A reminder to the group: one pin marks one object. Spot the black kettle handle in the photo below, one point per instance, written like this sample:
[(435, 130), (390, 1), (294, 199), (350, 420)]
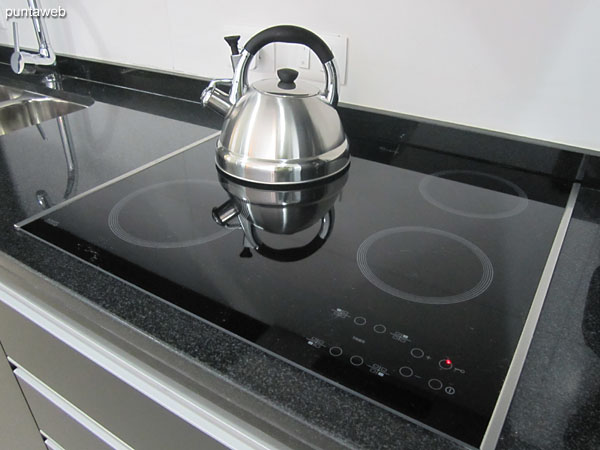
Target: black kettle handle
[(293, 35), (297, 253)]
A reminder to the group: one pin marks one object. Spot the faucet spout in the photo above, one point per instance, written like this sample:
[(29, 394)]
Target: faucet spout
[(40, 31)]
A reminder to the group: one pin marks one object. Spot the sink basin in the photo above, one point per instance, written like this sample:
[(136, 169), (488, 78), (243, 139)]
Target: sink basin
[(9, 93), (20, 108)]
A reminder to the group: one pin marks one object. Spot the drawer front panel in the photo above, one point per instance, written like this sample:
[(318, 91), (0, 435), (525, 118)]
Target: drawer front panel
[(61, 421), (114, 404)]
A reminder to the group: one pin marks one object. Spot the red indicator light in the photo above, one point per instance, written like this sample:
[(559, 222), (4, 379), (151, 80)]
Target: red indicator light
[(445, 363)]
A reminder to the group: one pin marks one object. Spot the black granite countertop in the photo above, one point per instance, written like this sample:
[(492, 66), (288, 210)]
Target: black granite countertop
[(557, 400)]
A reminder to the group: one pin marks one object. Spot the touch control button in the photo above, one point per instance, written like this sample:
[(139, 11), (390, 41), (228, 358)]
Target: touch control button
[(450, 390), (435, 384), (356, 360), (379, 328), (335, 351), (445, 364), (360, 321), (406, 371), (417, 353)]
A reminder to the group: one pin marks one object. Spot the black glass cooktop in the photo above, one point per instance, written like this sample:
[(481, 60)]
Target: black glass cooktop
[(412, 294)]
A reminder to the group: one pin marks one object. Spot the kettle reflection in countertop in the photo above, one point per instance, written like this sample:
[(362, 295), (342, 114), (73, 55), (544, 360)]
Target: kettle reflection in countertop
[(283, 210)]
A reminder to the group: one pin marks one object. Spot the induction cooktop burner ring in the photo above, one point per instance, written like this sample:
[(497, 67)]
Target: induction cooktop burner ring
[(521, 196), (487, 270), (121, 233)]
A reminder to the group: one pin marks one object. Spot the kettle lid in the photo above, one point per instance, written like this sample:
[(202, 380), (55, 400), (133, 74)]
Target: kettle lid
[(286, 85)]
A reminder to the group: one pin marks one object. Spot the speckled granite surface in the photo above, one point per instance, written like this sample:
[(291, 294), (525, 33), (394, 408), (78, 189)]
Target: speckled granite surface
[(557, 401), (556, 405)]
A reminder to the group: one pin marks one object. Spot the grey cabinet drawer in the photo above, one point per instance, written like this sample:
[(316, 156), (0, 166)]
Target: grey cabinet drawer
[(17, 427), (61, 421), (127, 413)]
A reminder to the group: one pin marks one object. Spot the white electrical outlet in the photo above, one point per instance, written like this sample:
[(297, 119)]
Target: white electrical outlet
[(299, 57), (339, 46), (264, 60), (303, 55)]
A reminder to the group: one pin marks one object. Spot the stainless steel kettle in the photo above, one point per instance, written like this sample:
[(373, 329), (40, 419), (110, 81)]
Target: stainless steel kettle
[(279, 131)]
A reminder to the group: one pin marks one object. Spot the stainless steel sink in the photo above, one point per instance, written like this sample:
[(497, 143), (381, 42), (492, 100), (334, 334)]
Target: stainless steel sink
[(20, 108), (9, 93)]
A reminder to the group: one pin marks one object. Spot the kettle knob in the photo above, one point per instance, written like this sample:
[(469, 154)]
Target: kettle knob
[(287, 78)]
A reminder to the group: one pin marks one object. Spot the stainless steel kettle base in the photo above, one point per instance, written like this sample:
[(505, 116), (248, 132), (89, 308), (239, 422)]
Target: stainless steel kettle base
[(284, 172)]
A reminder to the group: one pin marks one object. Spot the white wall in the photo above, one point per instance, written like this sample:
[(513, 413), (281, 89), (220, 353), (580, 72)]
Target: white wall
[(530, 68)]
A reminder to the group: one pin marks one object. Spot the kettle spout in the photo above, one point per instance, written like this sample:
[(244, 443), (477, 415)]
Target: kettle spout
[(215, 98)]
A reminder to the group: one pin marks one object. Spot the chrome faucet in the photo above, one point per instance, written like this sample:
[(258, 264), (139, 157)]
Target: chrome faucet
[(45, 55)]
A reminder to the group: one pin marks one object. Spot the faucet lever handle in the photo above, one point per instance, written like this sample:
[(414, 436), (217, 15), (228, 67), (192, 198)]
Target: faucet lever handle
[(17, 62)]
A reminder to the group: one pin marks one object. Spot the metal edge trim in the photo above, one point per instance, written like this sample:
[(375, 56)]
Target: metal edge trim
[(107, 356), (115, 180), (492, 434), (129, 88), (581, 170)]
